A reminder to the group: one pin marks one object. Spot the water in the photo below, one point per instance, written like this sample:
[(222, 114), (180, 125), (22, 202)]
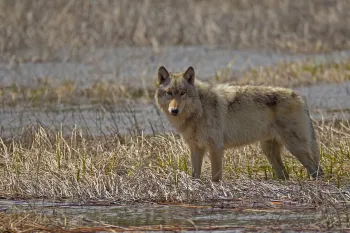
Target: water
[(136, 215), (93, 120), (131, 65)]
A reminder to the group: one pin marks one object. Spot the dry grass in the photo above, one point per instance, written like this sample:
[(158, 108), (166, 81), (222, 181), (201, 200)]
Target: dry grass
[(48, 91), (290, 74), (48, 165), (43, 164), (291, 25), (28, 222)]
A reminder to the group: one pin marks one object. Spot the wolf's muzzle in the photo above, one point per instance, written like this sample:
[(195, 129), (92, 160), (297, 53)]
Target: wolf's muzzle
[(174, 111)]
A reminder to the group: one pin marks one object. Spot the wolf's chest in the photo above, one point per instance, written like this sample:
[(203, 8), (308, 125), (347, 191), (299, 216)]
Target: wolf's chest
[(195, 136)]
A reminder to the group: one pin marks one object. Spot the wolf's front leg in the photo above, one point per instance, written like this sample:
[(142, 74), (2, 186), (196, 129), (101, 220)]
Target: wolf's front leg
[(216, 157), (197, 155)]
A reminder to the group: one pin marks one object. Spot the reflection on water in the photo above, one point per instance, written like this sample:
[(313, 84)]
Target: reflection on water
[(171, 215)]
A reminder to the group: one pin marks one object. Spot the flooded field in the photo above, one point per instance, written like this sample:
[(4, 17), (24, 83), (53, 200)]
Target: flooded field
[(136, 68), (119, 165)]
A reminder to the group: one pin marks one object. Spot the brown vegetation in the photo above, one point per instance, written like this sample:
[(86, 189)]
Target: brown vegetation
[(290, 25)]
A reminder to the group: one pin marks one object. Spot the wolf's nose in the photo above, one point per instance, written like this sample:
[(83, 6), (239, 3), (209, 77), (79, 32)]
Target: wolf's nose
[(174, 111)]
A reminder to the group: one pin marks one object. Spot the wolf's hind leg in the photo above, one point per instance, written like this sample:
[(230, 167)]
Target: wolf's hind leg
[(272, 150), (315, 151), (302, 149)]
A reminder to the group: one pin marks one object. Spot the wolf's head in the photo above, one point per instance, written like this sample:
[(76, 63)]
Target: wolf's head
[(176, 92)]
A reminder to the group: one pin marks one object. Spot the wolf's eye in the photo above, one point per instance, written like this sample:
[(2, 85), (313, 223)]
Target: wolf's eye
[(169, 93), (182, 93)]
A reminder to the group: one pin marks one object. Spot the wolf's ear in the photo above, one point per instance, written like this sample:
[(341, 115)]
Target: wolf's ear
[(189, 75), (163, 75)]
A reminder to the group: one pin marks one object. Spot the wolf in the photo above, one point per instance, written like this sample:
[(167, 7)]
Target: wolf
[(212, 118)]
